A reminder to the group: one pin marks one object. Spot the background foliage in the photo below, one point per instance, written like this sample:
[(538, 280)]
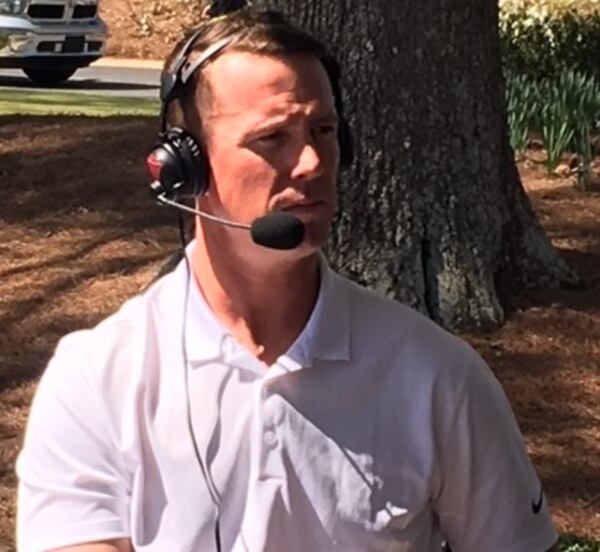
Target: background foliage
[(573, 544), (551, 58), (544, 38)]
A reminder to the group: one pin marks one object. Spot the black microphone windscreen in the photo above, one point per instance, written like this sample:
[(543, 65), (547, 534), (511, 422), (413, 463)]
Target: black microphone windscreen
[(278, 230)]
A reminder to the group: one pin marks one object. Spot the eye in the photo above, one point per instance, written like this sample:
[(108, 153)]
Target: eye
[(271, 138), (324, 130)]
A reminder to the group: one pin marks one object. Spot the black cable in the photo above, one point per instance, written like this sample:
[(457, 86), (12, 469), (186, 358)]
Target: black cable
[(212, 490)]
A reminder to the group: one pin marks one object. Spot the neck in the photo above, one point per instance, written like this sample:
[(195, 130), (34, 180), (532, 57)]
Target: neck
[(263, 298)]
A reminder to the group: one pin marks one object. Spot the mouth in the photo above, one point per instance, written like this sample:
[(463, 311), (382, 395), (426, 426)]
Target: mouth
[(306, 210), (301, 206), (305, 205)]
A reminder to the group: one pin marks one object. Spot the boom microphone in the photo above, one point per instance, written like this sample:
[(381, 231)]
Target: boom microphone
[(278, 230)]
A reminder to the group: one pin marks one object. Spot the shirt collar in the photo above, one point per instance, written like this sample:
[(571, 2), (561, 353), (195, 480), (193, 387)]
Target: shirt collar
[(326, 335)]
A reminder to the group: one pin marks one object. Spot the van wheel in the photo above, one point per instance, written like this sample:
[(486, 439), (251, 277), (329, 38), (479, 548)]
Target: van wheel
[(49, 77)]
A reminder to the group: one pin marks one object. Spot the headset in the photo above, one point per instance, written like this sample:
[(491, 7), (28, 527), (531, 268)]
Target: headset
[(178, 163)]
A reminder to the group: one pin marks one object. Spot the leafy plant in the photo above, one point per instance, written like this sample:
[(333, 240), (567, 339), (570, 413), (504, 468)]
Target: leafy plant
[(584, 113), (554, 121), (521, 102), (581, 96), (564, 111)]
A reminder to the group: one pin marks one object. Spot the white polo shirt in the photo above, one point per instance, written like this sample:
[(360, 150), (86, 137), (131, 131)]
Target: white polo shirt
[(376, 431)]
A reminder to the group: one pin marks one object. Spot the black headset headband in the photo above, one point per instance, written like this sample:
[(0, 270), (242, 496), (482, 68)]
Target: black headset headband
[(182, 69)]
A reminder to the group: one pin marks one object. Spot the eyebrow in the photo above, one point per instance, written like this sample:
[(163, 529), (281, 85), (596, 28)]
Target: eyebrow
[(278, 121), (331, 118)]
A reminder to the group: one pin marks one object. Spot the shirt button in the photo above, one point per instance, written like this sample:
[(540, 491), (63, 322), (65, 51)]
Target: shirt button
[(270, 438)]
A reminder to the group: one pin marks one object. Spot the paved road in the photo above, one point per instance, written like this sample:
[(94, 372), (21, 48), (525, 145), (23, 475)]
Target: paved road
[(113, 77)]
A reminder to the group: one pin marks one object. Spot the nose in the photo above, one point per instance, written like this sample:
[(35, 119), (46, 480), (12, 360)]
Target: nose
[(308, 164)]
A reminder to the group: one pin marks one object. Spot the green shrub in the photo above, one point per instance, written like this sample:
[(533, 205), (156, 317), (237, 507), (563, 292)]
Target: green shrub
[(542, 41)]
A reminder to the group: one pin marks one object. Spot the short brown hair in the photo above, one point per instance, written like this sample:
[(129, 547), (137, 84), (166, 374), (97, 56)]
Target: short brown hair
[(250, 30)]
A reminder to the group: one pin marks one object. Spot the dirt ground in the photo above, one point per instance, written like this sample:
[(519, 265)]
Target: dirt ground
[(146, 29), (79, 234)]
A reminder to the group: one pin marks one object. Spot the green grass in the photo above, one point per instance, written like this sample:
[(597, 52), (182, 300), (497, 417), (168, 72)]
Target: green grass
[(28, 102), (573, 544)]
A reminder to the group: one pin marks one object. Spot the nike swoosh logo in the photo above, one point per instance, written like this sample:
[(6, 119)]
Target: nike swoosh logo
[(536, 506)]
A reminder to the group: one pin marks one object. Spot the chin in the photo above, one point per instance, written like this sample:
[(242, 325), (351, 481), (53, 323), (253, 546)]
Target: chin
[(305, 249), (316, 233), (310, 246)]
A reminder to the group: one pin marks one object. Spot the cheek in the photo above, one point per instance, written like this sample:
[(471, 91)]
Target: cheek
[(242, 181), (332, 154)]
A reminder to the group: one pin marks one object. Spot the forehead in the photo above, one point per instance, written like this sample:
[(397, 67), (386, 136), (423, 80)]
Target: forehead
[(243, 81)]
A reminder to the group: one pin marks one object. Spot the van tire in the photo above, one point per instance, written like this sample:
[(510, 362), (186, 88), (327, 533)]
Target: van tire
[(50, 77)]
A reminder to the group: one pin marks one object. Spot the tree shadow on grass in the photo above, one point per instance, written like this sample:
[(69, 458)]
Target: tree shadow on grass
[(30, 347), (78, 212), (56, 166)]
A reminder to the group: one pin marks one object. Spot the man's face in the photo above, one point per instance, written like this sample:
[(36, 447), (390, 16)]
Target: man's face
[(271, 137)]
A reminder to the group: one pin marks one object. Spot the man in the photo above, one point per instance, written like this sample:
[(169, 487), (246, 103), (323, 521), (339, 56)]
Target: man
[(260, 402)]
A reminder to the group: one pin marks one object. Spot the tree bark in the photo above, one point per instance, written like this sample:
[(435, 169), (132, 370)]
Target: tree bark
[(433, 212)]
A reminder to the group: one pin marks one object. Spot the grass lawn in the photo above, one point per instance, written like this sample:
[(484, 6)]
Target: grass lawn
[(32, 102)]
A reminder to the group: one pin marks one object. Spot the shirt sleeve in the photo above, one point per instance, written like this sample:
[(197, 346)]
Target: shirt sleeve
[(490, 497), (73, 487)]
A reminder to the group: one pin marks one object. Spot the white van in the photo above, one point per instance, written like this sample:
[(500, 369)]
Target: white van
[(50, 39)]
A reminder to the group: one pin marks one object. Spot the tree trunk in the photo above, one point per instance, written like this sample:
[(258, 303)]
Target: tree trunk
[(433, 212)]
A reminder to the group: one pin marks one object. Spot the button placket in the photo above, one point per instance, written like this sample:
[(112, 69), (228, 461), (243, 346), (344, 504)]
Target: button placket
[(270, 461), (269, 429), (270, 438)]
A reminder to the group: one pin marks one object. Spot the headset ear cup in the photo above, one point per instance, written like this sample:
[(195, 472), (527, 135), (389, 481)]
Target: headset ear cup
[(196, 164), (346, 143), (178, 166)]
